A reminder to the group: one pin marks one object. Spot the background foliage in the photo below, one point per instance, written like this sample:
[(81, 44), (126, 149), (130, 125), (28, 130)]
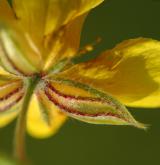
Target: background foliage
[(79, 143)]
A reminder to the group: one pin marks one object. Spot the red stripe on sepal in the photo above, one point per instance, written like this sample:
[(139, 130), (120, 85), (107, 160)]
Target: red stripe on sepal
[(74, 111), (10, 94), (10, 105)]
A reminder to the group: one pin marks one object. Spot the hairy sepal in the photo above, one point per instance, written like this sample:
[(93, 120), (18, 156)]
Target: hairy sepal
[(87, 104)]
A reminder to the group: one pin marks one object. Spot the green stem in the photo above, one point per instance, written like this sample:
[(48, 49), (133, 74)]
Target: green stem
[(19, 139)]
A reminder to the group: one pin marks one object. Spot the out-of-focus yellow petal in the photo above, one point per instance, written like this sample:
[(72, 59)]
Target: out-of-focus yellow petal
[(54, 25), (61, 12), (18, 54), (65, 43), (43, 119), (130, 72), (5, 10), (3, 72), (45, 16), (31, 16), (7, 118)]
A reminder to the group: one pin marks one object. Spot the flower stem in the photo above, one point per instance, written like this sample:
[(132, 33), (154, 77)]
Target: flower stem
[(19, 139)]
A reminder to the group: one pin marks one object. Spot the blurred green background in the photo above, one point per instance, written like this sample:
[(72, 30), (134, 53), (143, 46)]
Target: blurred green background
[(84, 144)]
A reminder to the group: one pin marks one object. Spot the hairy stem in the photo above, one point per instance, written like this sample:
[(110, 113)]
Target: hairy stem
[(19, 139)]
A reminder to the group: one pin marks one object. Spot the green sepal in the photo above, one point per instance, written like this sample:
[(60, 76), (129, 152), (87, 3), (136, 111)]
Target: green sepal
[(102, 108)]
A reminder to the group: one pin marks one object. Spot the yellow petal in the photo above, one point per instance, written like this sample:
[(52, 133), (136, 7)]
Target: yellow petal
[(7, 118), (65, 43), (3, 72), (18, 54), (5, 10), (31, 17), (45, 16), (61, 12), (54, 25), (130, 72), (42, 123)]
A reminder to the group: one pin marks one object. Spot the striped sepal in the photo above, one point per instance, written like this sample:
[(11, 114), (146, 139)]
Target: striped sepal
[(88, 104), (11, 93)]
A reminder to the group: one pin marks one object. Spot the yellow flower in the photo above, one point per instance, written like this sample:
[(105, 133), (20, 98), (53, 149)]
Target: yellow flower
[(34, 37), (38, 42)]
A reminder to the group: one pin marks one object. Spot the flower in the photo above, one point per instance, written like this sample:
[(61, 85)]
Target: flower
[(38, 43)]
